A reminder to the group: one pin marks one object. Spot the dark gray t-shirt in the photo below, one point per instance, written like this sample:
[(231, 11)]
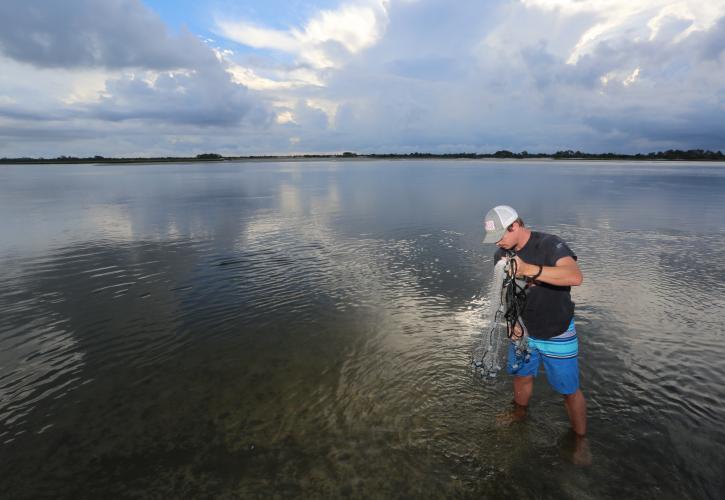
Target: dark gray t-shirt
[(549, 308)]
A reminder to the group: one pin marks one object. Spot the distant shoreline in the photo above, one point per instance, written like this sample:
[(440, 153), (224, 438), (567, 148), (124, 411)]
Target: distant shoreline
[(669, 155)]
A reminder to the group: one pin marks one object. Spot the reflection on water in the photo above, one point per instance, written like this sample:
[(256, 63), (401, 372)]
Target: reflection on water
[(305, 330)]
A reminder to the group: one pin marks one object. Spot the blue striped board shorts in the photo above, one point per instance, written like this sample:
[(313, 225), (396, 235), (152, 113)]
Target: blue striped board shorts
[(559, 355)]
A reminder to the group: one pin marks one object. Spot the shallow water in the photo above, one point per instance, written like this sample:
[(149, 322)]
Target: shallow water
[(305, 329)]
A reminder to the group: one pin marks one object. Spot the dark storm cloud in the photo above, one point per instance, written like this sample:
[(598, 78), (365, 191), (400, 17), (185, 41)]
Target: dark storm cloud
[(174, 79), (547, 69), (46, 132), (700, 127), (93, 33), (198, 98), (678, 70), (15, 112), (470, 75)]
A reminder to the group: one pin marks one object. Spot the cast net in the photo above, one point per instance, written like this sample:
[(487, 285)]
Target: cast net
[(508, 297), (488, 355)]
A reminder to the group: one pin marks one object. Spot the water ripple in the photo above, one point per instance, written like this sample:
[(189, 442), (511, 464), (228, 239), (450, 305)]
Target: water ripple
[(306, 332)]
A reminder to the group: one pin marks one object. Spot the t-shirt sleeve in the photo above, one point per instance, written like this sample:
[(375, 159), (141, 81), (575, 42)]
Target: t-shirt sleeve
[(558, 249)]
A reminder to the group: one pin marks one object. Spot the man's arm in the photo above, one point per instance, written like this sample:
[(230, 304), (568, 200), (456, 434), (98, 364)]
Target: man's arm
[(564, 273)]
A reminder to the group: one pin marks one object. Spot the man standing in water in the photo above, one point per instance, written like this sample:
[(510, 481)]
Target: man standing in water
[(550, 269)]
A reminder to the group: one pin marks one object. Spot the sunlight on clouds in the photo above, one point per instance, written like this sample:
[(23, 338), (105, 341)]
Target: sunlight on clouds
[(676, 11), (221, 54), (89, 86), (626, 78), (624, 18), (247, 76), (379, 76), (286, 79), (326, 106), (596, 33), (285, 117), (353, 27), (278, 79), (304, 76), (30, 87), (150, 78), (631, 78), (257, 37), (285, 104)]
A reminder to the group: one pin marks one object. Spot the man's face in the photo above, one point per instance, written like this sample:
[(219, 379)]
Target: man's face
[(510, 237)]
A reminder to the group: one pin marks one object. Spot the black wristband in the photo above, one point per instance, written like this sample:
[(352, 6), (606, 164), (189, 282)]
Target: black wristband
[(541, 268)]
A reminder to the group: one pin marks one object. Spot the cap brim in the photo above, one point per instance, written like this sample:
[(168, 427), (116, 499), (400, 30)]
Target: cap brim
[(494, 236)]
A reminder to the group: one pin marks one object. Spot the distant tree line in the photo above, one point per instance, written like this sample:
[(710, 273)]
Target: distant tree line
[(670, 154), (102, 159)]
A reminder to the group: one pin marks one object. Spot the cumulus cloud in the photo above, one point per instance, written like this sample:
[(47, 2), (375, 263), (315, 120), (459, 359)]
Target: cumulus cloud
[(88, 64), (191, 97), (89, 33), (538, 76), (325, 40), (375, 76), (713, 44), (671, 21)]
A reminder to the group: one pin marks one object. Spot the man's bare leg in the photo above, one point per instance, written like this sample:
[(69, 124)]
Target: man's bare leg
[(523, 388), (576, 408)]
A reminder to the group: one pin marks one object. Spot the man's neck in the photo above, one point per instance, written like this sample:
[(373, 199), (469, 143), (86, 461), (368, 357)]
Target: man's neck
[(524, 239)]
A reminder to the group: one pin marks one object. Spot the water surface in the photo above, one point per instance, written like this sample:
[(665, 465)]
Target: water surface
[(305, 330)]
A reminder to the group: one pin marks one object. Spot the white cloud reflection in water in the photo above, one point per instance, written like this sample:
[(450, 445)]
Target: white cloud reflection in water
[(325, 314)]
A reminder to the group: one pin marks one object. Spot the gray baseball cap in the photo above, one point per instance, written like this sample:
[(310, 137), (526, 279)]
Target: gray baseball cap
[(496, 221)]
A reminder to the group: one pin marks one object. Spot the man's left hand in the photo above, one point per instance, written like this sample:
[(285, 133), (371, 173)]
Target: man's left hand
[(524, 269)]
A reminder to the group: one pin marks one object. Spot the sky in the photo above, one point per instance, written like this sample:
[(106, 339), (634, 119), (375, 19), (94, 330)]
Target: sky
[(179, 78)]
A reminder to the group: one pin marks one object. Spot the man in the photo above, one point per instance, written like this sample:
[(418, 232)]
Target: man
[(550, 269)]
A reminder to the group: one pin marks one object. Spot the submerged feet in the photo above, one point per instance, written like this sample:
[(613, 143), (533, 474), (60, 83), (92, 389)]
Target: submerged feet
[(516, 413), (575, 448), (582, 453)]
